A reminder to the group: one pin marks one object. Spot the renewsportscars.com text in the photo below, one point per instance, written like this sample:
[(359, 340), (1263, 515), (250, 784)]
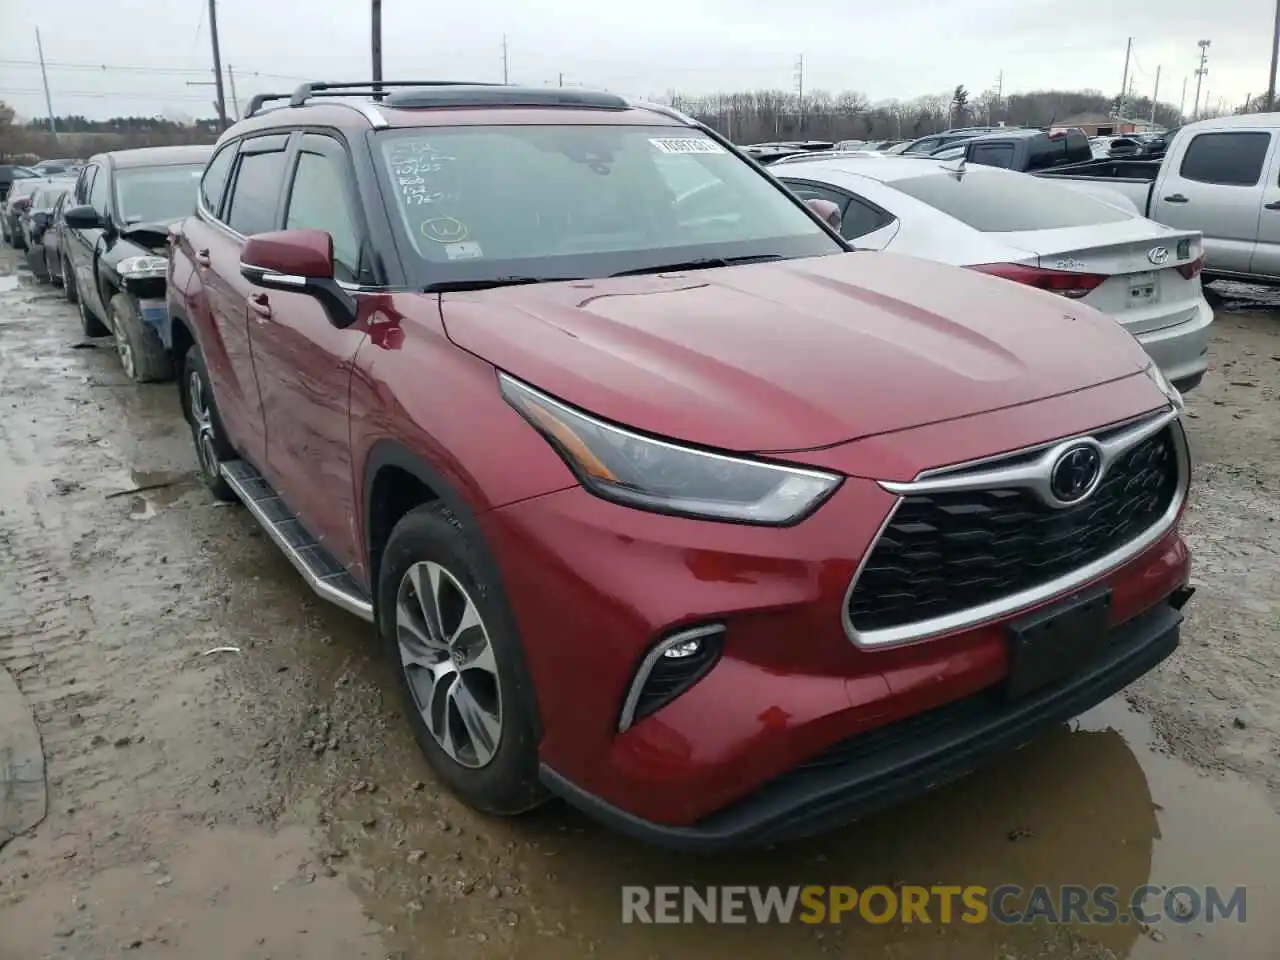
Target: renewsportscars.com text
[(1007, 904)]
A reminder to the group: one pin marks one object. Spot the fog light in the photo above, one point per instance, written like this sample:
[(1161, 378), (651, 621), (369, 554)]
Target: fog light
[(685, 648)]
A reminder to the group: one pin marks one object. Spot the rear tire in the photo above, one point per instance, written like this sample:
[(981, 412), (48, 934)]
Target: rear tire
[(142, 354), (489, 759), (201, 413)]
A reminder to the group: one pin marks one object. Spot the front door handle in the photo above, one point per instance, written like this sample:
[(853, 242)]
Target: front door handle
[(260, 306), (202, 258), (1176, 198), (1273, 205)]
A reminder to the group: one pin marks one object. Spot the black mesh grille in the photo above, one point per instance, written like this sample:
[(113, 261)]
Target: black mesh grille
[(947, 552)]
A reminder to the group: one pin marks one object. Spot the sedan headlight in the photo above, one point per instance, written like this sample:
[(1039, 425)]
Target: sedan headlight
[(1168, 389), (661, 476), (143, 268)]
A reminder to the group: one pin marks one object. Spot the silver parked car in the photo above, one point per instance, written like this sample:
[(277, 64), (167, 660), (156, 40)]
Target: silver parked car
[(1032, 231)]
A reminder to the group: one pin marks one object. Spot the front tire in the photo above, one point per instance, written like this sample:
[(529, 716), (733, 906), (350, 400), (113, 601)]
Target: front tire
[(142, 354), (201, 412), (459, 662)]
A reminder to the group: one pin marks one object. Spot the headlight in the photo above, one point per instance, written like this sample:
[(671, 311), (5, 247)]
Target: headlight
[(143, 268), (656, 475), (1168, 389)]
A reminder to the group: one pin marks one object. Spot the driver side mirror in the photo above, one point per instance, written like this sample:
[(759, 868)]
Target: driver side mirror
[(82, 217), (826, 210), (299, 261)]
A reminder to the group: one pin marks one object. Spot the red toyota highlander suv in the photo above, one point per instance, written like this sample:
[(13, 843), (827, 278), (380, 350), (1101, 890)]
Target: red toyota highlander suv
[(661, 498)]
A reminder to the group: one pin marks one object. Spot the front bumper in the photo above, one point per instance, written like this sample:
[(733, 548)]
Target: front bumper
[(912, 756)]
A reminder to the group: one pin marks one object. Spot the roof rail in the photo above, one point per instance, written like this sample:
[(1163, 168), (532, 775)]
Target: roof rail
[(373, 89)]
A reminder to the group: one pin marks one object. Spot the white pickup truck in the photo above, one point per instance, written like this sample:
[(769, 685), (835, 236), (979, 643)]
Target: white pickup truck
[(1221, 177)]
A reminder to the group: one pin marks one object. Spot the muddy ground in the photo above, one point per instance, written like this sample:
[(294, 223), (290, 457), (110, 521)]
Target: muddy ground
[(269, 803)]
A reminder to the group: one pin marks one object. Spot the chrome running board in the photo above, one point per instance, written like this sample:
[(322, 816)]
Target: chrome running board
[(323, 573)]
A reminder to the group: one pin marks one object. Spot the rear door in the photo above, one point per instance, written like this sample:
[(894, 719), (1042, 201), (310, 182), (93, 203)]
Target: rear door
[(1214, 183), (252, 205)]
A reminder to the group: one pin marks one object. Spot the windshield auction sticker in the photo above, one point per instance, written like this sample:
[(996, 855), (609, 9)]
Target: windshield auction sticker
[(686, 145)]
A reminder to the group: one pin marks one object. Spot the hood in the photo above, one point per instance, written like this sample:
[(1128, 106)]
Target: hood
[(152, 236), (796, 354)]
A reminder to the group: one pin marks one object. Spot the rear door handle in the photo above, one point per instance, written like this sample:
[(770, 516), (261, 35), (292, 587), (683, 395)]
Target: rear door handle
[(259, 304), (1176, 198), (202, 258), (1273, 205)]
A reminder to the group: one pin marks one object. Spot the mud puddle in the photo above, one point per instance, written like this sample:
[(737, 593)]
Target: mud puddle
[(1096, 804)]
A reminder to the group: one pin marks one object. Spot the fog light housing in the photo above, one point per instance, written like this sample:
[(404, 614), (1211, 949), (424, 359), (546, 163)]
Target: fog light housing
[(670, 668)]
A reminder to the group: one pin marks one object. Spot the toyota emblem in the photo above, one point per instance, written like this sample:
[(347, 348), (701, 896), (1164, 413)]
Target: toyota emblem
[(1075, 473), (1158, 255)]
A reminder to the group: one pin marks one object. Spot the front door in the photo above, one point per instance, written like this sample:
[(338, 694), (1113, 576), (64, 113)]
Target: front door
[(304, 362), (1217, 188), (91, 189)]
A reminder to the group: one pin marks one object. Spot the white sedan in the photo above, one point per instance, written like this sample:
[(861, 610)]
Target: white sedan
[(1031, 231)]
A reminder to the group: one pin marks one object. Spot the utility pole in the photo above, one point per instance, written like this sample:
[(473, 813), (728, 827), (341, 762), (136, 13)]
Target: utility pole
[(48, 101), (1124, 81), (504, 59), (375, 45), (1182, 103), (1275, 50), (562, 78), (800, 89), (217, 64), (1200, 73), (1156, 93), (235, 100)]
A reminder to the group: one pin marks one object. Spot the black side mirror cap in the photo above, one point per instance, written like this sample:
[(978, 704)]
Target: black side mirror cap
[(82, 217)]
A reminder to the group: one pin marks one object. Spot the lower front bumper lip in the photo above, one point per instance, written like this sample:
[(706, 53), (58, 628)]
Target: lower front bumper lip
[(803, 803)]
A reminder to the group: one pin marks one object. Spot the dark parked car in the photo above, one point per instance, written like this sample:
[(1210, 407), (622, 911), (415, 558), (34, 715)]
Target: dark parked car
[(10, 172), (115, 246), (1023, 150), (16, 205), (660, 498), (38, 222)]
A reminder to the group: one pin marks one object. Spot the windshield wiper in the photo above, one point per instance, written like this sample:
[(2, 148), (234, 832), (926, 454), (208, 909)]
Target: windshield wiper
[(705, 263), (457, 286)]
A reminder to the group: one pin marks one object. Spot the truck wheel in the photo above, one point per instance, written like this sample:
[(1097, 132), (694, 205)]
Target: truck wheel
[(142, 354), (459, 662), (201, 412)]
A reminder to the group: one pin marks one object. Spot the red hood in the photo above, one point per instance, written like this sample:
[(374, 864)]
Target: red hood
[(796, 354)]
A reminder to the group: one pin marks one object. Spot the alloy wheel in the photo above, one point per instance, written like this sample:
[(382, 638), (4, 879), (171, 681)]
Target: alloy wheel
[(202, 425), (449, 664)]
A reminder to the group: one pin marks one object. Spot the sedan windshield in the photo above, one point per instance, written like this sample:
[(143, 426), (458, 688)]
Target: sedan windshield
[(555, 202), (156, 194)]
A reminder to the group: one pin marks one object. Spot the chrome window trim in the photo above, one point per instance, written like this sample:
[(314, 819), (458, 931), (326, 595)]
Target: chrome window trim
[(628, 715), (1116, 442)]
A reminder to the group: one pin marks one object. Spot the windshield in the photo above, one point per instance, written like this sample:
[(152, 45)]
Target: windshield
[(1006, 203), (47, 199), (488, 202), (156, 194)]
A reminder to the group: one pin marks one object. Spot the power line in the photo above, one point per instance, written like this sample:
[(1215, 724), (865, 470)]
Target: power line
[(120, 68), (107, 95)]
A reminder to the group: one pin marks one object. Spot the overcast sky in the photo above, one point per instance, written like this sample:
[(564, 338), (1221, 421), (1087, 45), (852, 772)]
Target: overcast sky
[(148, 50)]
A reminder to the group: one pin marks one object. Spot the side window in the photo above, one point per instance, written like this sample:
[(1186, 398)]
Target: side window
[(255, 197), (85, 184), (861, 218), (811, 191), (214, 182), (318, 201), (1041, 154), (1232, 159), (992, 154), (926, 146), (99, 190)]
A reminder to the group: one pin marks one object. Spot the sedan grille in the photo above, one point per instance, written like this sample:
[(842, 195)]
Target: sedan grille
[(945, 552)]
